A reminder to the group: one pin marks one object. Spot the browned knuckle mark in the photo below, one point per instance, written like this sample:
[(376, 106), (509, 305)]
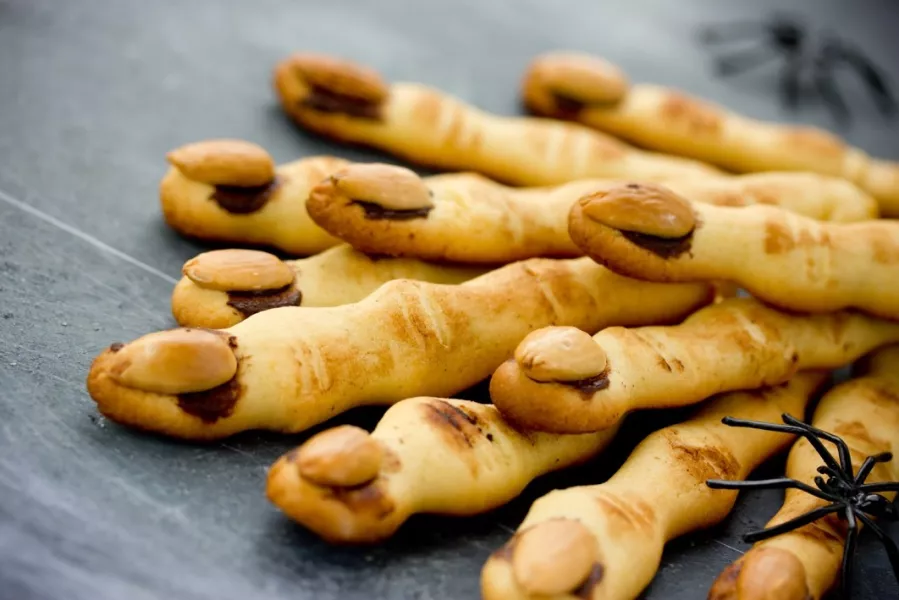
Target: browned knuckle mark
[(627, 514), (696, 117), (703, 462), (814, 141), (884, 247), (459, 429), (725, 587), (778, 238)]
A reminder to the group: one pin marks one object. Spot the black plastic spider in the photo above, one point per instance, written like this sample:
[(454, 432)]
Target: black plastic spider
[(849, 496), (784, 36)]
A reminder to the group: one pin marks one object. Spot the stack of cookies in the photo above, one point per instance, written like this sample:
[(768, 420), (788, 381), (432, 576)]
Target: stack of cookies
[(724, 263)]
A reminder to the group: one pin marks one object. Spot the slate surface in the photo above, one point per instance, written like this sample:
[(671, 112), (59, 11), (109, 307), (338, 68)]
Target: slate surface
[(92, 94)]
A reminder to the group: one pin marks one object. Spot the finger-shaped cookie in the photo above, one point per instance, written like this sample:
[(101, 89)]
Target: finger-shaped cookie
[(221, 288), (349, 486), (606, 541), (736, 344), (467, 218), (804, 564), (352, 103), (289, 368), (591, 91), (231, 190), (790, 261)]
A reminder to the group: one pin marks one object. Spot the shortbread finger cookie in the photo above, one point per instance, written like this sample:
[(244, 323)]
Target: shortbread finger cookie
[(467, 218), (426, 455), (793, 262), (736, 344), (606, 541), (221, 288), (804, 564), (289, 368), (352, 103), (231, 190), (589, 90)]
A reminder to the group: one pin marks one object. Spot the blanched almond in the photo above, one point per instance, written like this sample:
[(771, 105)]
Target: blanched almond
[(238, 271), (224, 162), (344, 456), (340, 77), (554, 557), (646, 208), (560, 354), (388, 186), (177, 361), (581, 77)]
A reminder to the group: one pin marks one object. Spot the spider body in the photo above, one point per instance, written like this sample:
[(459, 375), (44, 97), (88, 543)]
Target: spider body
[(845, 491), (810, 64)]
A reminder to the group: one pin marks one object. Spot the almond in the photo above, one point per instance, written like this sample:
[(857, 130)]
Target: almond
[(553, 557), (238, 271), (390, 187), (560, 354), (224, 162), (340, 77), (177, 361), (344, 456), (582, 78), (646, 208)]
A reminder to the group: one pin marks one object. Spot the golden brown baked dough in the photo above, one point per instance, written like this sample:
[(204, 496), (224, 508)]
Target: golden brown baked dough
[(470, 219), (434, 455), (785, 259), (221, 288), (590, 91), (298, 366), (230, 190), (736, 344), (803, 564), (657, 495), (351, 103)]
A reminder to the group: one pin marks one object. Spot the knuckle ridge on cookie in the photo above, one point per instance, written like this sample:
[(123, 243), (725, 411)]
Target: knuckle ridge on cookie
[(737, 343), (300, 366), (484, 463), (658, 494), (667, 120), (405, 120), (788, 260), (805, 562)]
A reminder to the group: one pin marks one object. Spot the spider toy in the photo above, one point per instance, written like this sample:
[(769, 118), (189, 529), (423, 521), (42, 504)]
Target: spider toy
[(784, 36), (848, 495)]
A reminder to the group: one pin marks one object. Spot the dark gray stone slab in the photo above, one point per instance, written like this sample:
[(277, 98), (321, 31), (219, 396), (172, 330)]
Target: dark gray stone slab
[(92, 94)]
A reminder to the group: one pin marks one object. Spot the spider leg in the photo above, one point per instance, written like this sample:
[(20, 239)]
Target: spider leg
[(781, 483), (842, 448), (800, 521), (869, 73), (889, 545), (849, 551), (738, 62), (827, 88), (869, 463), (790, 83), (728, 32), (888, 486)]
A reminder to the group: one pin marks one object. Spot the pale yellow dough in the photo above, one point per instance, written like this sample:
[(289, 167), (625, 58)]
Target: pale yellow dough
[(351, 103), (657, 495), (805, 563), (669, 120), (297, 366), (738, 343), (339, 275), (445, 456)]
